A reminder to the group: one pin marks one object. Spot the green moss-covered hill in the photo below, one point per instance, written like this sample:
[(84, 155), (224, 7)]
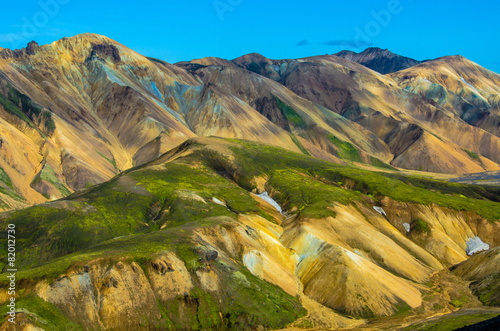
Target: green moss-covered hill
[(167, 205)]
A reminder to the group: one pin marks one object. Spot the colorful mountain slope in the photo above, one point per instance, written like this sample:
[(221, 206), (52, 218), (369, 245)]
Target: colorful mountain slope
[(186, 235)]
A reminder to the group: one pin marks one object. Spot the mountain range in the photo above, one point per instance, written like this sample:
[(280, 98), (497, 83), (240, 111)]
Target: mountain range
[(251, 193), (85, 108)]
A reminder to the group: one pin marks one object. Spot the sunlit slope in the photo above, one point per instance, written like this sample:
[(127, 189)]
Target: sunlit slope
[(460, 86), (401, 118), (87, 107), (185, 233)]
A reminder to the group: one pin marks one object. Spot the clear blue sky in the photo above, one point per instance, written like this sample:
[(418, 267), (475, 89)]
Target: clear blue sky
[(183, 30)]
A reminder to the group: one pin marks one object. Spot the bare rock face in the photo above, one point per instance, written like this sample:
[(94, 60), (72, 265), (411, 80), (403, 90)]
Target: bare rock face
[(116, 296), (32, 48), (169, 277), (104, 51)]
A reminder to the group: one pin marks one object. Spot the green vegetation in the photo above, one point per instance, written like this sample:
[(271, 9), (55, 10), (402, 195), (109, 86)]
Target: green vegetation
[(9, 190), (151, 199), (488, 290), (299, 145), (253, 159), (50, 231), (420, 226), (254, 67), (346, 150), (291, 115), (311, 197), (271, 306), (21, 106), (47, 174), (186, 190), (13, 109), (459, 300), (152, 209), (112, 161), (379, 164), (451, 322), (27, 105), (42, 313), (247, 300), (472, 155), (4, 178), (305, 324), (143, 200), (49, 123)]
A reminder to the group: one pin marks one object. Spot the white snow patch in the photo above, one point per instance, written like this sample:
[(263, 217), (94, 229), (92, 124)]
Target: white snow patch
[(475, 245), (254, 263), (469, 85), (426, 80), (312, 245), (217, 201), (406, 226), (354, 257), (380, 210), (264, 196), (360, 253)]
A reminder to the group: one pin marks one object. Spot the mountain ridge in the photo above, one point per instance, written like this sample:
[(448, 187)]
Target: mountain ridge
[(380, 60), (88, 107)]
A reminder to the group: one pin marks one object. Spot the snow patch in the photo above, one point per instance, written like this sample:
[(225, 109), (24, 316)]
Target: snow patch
[(380, 210), (475, 245), (311, 246), (360, 253), (254, 263), (406, 226), (354, 257), (264, 196), (217, 201), (469, 85), (426, 80)]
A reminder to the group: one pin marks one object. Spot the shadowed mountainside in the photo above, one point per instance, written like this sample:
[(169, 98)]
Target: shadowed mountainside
[(379, 60)]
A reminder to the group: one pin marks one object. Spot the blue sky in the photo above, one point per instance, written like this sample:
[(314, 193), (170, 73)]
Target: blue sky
[(183, 30)]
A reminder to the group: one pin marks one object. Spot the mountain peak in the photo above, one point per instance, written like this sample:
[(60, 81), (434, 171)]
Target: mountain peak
[(92, 38), (380, 60), (375, 49), (251, 57), (31, 48)]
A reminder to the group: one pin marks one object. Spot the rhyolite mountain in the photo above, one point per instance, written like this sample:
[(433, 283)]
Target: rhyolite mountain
[(84, 108), (380, 60), (223, 233), (244, 194)]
